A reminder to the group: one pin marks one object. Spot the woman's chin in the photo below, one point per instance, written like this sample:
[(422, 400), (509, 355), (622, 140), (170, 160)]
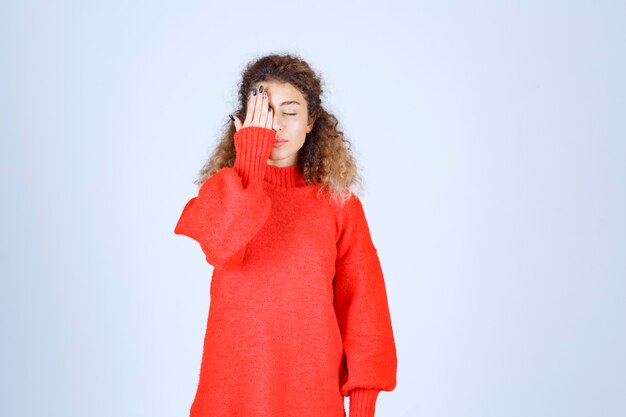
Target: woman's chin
[(282, 158), (278, 154)]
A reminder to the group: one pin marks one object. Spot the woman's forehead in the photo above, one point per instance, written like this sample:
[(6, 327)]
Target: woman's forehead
[(283, 89), (282, 93)]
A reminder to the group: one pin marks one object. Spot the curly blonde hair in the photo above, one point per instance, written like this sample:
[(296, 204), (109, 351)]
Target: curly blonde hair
[(326, 158)]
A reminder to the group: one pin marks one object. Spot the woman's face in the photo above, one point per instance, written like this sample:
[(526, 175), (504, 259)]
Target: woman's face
[(290, 121)]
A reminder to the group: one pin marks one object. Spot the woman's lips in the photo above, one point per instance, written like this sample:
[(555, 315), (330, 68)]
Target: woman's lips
[(279, 142)]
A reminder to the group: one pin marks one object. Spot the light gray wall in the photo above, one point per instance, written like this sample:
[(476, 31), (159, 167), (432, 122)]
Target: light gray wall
[(491, 136)]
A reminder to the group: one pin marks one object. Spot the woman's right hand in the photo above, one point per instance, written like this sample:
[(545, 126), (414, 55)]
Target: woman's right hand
[(258, 112)]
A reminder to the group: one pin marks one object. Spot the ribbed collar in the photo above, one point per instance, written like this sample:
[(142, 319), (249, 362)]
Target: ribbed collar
[(286, 177)]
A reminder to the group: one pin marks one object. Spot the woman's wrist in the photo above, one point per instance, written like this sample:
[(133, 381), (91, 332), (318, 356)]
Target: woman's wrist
[(363, 402), (253, 146)]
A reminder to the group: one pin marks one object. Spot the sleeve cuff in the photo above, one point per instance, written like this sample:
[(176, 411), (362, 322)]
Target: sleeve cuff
[(253, 146), (363, 402)]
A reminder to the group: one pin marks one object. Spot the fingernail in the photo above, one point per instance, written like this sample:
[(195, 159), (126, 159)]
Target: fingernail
[(254, 91), (260, 89), (231, 117)]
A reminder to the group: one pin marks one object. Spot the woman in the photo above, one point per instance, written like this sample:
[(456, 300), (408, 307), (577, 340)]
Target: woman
[(299, 316)]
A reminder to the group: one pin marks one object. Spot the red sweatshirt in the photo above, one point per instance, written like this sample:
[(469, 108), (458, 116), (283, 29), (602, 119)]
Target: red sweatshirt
[(298, 315)]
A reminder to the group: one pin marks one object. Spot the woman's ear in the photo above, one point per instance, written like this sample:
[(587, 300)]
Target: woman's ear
[(312, 119)]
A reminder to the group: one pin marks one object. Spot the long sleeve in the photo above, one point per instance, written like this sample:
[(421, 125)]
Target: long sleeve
[(362, 311), (231, 206)]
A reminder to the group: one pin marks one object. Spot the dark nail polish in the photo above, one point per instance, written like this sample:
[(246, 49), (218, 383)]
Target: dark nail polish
[(254, 91), (260, 89), (231, 117)]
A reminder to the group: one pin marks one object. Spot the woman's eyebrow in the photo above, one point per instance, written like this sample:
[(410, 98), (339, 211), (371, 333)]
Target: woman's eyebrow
[(284, 103)]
